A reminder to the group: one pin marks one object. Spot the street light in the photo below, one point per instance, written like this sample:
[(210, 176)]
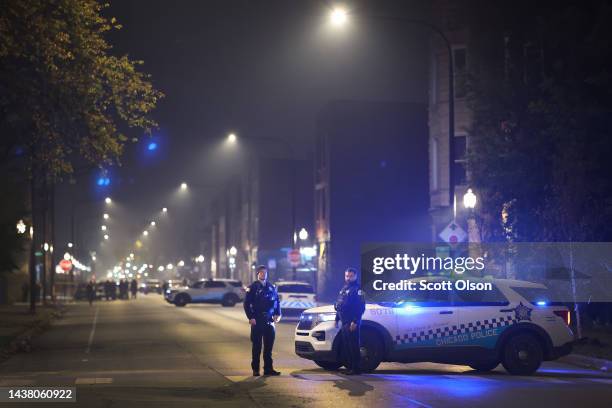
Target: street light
[(303, 234), (108, 200), (469, 202), (231, 138), (106, 237), (469, 199), (145, 233), (200, 259), (338, 16), (152, 223), (21, 227), (183, 186), (106, 216), (70, 245), (103, 227), (164, 209), (233, 251)]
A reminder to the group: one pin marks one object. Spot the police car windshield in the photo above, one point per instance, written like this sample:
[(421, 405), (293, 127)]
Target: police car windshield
[(295, 288)]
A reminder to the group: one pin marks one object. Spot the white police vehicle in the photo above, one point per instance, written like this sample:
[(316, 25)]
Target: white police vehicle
[(512, 324), (228, 292), (295, 297)]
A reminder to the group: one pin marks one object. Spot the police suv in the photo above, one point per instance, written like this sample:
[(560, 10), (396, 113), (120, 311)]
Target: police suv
[(295, 297), (512, 324), (228, 292)]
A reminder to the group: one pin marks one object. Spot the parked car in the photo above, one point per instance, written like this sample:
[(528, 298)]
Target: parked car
[(295, 297), (513, 324), (151, 286), (227, 292)]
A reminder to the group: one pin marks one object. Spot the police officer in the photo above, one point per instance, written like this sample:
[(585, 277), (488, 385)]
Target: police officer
[(262, 308), (349, 309)]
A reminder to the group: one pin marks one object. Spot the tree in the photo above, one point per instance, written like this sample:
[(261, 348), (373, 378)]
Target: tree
[(63, 95), (540, 143)]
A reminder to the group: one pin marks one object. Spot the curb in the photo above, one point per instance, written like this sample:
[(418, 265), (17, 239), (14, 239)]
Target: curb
[(588, 362)]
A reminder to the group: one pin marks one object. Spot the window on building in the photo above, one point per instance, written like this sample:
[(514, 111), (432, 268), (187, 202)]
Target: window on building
[(460, 160), (460, 68)]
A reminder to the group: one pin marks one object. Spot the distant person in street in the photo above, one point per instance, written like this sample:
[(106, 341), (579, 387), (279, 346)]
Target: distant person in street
[(134, 288), (349, 309), (262, 308), (107, 289), (90, 291)]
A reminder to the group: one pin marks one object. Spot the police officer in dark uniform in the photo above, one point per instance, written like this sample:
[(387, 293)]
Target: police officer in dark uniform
[(349, 309), (262, 308)]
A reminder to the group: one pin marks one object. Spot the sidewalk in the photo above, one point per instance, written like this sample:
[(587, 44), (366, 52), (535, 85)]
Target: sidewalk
[(18, 326)]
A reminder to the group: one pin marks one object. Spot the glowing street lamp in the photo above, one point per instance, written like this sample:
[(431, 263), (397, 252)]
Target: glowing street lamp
[(231, 138), (183, 186), (21, 227), (152, 223), (181, 263), (70, 245), (164, 210), (145, 233), (106, 237), (233, 251), (469, 199), (45, 246), (106, 216), (338, 16), (103, 227), (303, 234), (108, 200)]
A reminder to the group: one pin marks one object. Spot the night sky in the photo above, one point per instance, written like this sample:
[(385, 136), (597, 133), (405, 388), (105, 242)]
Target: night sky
[(257, 68)]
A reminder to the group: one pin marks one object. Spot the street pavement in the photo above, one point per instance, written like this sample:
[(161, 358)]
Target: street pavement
[(147, 353)]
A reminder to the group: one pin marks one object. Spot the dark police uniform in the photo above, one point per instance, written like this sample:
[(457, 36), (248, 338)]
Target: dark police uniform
[(261, 303), (349, 309)]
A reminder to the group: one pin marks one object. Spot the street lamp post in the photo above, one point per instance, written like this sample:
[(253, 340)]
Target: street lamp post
[(339, 17)]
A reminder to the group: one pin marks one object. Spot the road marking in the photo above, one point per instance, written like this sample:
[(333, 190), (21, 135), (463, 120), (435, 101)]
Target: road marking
[(319, 377), (91, 381), (238, 378), (93, 331)]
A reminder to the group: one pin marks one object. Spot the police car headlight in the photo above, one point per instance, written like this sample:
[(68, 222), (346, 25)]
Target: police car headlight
[(324, 317)]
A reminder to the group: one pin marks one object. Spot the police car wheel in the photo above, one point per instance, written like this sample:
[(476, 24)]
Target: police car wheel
[(484, 365), (229, 300), (181, 300), (328, 365), (371, 350), (522, 355)]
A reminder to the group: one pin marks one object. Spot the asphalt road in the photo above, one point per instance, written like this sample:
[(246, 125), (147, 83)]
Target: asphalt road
[(148, 353)]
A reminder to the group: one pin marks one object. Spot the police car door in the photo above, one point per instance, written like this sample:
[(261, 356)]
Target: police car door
[(482, 315), (429, 321)]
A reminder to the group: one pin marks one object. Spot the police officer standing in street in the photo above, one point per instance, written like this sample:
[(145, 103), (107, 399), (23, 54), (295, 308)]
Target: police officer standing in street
[(262, 308), (349, 309)]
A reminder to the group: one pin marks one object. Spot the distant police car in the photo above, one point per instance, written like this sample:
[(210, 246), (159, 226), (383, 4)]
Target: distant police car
[(512, 324), (228, 292), (295, 297)]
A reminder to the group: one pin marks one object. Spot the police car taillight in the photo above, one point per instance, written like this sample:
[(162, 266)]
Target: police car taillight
[(565, 315)]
